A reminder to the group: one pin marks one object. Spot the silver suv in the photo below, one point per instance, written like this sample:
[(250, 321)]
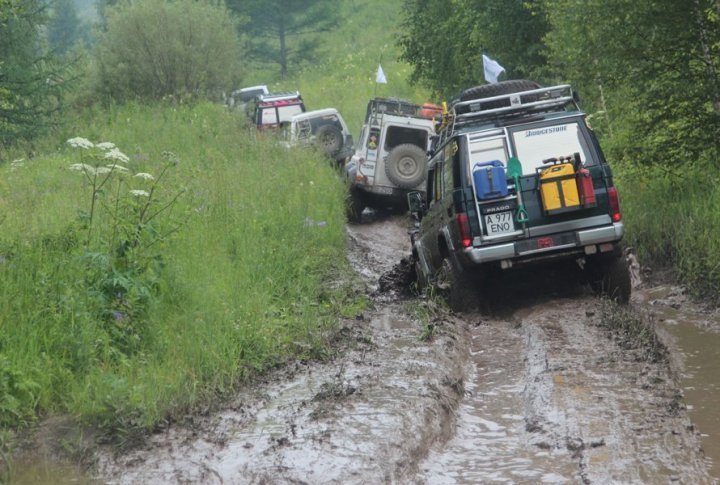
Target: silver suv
[(324, 128), (390, 158)]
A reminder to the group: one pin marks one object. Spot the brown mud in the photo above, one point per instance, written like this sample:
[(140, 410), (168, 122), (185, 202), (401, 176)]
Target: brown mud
[(538, 390)]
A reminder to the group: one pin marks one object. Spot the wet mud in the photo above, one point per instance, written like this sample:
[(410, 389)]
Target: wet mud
[(533, 389)]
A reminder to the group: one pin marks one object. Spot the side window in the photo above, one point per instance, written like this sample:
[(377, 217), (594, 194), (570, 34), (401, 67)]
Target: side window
[(304, 129)]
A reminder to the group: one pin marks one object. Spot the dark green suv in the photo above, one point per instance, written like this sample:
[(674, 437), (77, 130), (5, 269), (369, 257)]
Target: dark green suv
[(516, 178)]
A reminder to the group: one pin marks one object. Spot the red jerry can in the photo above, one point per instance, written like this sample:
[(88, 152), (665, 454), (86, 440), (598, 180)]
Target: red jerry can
[(585, 187)]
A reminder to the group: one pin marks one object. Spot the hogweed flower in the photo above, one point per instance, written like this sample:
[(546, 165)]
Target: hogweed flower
[(115, 154), (83, 167), (117, 168), (106, 145), (79, 142), (139, 193), (144, 176)]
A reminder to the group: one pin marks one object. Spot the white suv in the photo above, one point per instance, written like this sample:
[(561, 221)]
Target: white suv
[(390, 159), (324, 128)]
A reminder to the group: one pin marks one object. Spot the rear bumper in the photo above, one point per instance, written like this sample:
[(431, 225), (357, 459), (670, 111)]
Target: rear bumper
[(571, 242)]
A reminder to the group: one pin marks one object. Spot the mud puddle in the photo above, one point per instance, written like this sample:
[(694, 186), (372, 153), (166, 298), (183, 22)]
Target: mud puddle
[(696, 336)]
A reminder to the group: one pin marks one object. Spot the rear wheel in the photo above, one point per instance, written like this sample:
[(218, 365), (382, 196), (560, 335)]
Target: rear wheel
[(459, 291), (330, 140), (355, 205), (612, 279)]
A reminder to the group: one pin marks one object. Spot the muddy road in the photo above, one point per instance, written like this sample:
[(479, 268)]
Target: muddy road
[(538, 391)]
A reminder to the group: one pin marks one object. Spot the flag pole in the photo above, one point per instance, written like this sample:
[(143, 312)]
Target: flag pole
[(376, 83)]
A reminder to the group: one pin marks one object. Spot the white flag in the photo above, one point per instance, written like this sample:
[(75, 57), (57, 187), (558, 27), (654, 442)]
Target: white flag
[(492, 69), (380, 76)]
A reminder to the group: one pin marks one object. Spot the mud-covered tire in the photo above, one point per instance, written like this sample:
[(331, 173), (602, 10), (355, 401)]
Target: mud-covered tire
[(354, 205), (330, 139), (421, 281), (406, 166), (612, 280), (459, 292)]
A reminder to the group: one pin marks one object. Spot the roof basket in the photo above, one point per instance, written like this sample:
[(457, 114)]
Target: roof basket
[(533, 100), (391, 106)]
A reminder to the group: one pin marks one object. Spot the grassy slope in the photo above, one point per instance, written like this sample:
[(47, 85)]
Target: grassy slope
[(240, 286)]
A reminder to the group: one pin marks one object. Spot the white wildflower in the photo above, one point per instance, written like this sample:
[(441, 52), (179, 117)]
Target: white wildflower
[(82, 167), (103, 170), (117, 155), (106, 145), (117, 168), (79, 142), (144, 176), (139, 193)]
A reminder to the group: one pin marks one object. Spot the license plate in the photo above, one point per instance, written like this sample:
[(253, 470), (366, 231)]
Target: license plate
[(383, 190), (499, 223)]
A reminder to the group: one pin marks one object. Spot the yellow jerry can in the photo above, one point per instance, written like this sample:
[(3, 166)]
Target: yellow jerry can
[(558, 188)]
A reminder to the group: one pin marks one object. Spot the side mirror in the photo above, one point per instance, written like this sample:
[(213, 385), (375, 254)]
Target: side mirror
[(416, 204)]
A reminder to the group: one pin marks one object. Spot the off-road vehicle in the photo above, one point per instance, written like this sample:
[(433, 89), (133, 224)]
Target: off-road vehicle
[(516, 178), (390, 158), (240, 98), (324, 128), (271, 111)]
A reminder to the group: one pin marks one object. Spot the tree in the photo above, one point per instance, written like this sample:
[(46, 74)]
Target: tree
[(65, 28), (284, 32), (445, 45), (31, 80), (158, 48), (649, 68)]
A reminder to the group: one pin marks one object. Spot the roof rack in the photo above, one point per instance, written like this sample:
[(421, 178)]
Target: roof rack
[(391, 106), (531, 100)]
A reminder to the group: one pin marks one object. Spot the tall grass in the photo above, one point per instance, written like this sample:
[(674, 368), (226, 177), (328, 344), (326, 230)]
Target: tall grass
[(673, 219), (126, 322)]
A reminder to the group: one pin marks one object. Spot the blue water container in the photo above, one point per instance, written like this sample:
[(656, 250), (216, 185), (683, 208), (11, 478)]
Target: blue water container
[(490, 180)]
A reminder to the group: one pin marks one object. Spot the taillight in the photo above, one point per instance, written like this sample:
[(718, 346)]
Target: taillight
[(464, 227), (614, 204)]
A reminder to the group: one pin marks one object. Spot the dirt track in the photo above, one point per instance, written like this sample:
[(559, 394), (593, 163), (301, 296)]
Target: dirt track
[(537, 393)]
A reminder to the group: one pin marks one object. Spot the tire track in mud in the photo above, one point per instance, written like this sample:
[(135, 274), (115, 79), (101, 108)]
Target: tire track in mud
[(556, 400), (367, 416), (540, 394)]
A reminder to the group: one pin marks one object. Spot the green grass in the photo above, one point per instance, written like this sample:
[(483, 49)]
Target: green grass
[(673, 219), (126, 327)]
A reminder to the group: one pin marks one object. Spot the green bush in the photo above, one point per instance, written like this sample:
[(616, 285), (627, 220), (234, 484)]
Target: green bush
[(158, 48)]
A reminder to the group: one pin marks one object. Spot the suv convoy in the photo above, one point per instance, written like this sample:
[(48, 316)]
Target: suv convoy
[(390, 159), (516, 178), (269, 111), (325, 128)]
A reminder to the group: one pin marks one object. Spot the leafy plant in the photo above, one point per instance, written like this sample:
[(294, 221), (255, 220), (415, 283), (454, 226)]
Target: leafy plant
[(123, 264)]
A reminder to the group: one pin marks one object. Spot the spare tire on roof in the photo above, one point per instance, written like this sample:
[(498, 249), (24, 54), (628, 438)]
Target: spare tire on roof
[(496, 89), (406, 165)]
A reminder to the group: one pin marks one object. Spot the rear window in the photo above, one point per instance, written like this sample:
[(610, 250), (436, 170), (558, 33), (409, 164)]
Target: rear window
[(397, 135), (533, 145), (246, 96)]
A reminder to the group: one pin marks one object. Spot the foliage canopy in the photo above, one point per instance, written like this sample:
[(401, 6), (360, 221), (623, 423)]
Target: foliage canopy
[(156, 48)]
